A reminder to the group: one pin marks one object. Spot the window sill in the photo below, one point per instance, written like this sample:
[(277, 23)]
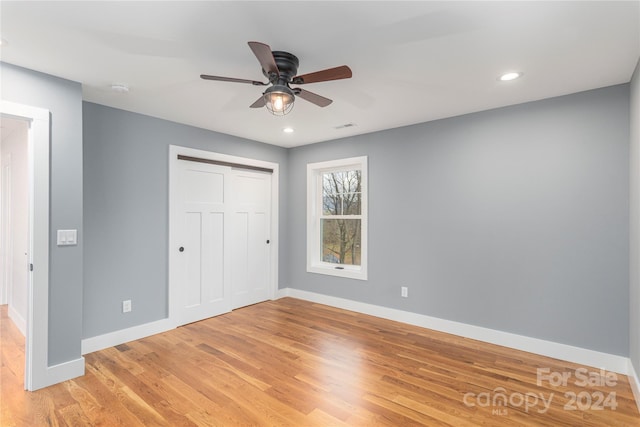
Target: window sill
[(346, 271)]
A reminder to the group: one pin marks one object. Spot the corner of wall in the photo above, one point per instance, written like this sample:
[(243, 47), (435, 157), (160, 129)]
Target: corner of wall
[(634, 225), (634, 382)]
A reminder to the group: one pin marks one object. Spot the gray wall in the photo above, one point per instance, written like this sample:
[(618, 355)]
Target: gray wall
[(63, 99), (514, 219), (634, 238), (126, 210)]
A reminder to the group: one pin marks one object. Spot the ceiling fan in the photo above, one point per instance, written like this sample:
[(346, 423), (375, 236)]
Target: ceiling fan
[(281, 68)]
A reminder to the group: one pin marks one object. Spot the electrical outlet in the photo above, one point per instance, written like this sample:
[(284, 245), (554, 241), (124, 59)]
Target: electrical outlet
[(126, 306), (404, 292)]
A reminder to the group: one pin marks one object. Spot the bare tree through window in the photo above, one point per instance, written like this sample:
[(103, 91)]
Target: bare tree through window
[(341, 217)]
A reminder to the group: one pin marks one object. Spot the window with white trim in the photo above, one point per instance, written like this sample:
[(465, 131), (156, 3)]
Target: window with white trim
[(337, 218)]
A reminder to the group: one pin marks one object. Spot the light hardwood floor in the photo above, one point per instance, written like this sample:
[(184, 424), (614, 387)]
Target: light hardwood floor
[(294, 363)]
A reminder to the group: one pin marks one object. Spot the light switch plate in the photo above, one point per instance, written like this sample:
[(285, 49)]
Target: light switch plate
[(67, 237)]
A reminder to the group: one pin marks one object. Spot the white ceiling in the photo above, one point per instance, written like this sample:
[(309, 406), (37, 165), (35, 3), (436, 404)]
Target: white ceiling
[(412, 61)]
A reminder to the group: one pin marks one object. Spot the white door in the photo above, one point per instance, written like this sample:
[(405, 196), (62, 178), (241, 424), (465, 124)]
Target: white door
[(250, 256), (37, 372), (222, 240), (203, 230)]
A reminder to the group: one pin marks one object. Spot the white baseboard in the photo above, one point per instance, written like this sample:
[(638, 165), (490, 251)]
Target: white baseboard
[(64, 371), (582, 356), (18, 320), (100, 342), (634, 382), (58, 373)]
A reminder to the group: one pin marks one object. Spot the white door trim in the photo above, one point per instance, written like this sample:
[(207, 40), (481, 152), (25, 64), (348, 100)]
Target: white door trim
[(37, 337), (174, 151)]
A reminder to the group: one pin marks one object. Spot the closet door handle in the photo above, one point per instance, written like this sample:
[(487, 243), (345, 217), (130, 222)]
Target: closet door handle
[(181, 249)]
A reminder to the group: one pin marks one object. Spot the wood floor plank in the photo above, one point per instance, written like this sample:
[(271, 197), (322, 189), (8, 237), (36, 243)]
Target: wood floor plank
[(294, 363)]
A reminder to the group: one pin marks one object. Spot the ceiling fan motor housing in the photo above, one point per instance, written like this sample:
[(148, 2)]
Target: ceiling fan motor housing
[(287, 67)]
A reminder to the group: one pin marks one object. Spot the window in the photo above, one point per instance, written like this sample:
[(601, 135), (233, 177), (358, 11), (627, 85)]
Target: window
[(337, 218)]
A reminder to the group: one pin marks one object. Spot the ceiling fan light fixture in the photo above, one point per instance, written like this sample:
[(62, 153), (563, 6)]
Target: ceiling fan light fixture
[(279, 100)]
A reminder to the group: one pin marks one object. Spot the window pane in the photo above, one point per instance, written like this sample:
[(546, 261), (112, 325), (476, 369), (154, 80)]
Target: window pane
[(351, 203), (341, 241), (332, 204), (342, 192)]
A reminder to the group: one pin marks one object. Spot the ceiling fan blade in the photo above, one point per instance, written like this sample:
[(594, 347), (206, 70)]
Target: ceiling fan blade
[(265, 57), (231, 79), (260, 102), (314, 98), (337, 73)]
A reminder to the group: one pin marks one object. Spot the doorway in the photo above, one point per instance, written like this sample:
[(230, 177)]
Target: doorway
[(36, 373), (14, 219), (222, 221)]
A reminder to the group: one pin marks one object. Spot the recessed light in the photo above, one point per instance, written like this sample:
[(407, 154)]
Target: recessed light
[(287, 130), (119, 88), (510, 76)]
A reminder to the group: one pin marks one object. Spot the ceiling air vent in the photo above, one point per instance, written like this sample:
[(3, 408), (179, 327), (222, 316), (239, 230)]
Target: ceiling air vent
[(346, 125)]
